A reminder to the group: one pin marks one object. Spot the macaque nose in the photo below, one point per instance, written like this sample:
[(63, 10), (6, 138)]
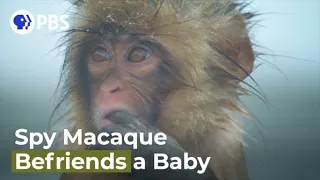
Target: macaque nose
[(112, 87)]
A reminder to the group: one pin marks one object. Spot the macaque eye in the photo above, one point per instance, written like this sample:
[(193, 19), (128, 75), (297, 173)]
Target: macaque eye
[(100, 54), (138, 54)]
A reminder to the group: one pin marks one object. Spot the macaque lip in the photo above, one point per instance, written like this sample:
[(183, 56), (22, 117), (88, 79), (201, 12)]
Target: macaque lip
[(111, 113), (117, 116)]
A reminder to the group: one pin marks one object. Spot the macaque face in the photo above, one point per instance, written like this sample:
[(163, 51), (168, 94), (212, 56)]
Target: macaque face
[(126, 74)]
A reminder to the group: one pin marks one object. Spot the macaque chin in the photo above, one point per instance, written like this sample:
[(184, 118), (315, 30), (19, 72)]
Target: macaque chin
[(161, 66)]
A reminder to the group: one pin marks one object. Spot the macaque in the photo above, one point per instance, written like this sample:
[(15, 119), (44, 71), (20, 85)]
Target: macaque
[(174, 66)]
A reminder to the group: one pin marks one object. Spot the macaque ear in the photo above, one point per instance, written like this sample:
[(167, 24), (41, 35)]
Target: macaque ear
[(236, 45)]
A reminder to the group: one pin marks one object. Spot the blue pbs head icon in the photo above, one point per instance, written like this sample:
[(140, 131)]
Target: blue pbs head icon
[(22, 22)]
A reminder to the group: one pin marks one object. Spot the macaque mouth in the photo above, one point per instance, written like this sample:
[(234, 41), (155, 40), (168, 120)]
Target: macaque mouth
[(119, 117)]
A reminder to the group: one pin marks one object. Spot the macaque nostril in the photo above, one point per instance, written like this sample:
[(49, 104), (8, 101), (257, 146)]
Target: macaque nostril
[(114, 90)]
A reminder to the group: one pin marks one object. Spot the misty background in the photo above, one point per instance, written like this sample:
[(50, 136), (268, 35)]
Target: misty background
[(284, 146)]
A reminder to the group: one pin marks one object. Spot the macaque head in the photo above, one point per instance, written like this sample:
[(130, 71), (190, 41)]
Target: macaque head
[(165, 65), (172, 64)]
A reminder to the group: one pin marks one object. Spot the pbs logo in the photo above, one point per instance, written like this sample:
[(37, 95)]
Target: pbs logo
[(23, 22)]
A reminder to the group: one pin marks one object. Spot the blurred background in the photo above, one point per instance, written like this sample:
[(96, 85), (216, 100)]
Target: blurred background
[(284, 146)]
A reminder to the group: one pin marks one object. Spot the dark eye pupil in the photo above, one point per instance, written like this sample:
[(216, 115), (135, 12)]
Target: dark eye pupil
[(138, 55), (100, 54)]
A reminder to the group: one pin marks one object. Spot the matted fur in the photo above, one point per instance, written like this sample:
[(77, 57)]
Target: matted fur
[(193, 32)]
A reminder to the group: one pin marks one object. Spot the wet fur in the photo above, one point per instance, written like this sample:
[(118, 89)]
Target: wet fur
[(194, 33)]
